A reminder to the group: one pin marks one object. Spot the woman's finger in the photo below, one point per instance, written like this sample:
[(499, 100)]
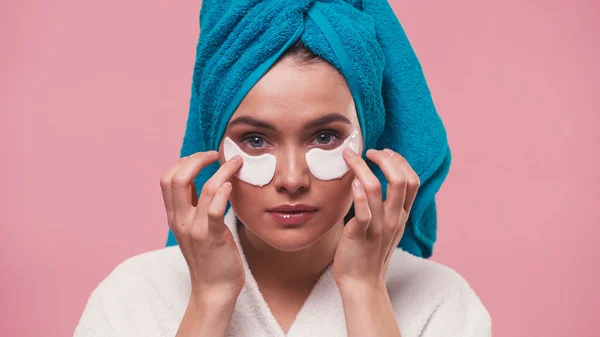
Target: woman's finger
[(216, 209), (223, 174), (165, 186), (411, 192), (181, 182), (391, 164), (359, 225), (372, 187), (397, 235), (414, 182), (194, 194)]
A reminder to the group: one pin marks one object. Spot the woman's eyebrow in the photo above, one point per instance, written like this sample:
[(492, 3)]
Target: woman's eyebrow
[(253, 122), (326, 119), (317, 122)]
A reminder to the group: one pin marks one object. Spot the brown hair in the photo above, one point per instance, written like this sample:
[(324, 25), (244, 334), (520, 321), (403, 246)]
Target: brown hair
[(300, 52)]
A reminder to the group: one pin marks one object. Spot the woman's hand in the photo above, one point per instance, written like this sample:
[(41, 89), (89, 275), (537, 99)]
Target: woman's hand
[(371, 237), (215, 265)]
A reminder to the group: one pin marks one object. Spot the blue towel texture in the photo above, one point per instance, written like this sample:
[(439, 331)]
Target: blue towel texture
[(241, 39)]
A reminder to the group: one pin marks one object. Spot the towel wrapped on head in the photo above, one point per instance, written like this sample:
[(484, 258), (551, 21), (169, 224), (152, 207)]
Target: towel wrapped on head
[(363, 39)]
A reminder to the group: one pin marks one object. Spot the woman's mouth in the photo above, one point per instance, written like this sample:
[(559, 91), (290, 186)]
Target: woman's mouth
[(292, 214)]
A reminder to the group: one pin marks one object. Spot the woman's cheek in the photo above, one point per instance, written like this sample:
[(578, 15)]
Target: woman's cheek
[(238, 195), (340, 190)]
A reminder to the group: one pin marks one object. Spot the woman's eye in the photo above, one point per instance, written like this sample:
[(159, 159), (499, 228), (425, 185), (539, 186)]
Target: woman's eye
[(254, 141), (325, 138)]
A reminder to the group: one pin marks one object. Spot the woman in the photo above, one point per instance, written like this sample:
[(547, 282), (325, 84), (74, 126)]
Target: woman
[(309, 244)]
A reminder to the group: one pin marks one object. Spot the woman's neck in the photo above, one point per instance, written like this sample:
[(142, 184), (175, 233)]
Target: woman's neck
[(276, 268)]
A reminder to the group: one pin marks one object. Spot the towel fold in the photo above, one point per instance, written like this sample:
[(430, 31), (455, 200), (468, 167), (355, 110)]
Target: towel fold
[(241, 39)]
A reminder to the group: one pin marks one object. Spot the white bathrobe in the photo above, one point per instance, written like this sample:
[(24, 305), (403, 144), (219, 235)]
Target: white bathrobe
[(147, 295)]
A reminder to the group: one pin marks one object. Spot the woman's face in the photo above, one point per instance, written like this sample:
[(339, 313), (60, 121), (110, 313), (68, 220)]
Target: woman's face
[(292, 109)]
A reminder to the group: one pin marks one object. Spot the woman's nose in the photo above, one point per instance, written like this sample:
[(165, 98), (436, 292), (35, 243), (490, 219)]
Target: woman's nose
[(292, 174)]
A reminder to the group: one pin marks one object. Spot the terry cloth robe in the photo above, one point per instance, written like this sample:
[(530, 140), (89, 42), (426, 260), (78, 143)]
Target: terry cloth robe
[(147, 296)]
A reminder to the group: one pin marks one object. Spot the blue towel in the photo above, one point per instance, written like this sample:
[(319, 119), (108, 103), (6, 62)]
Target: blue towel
[(241, 39)]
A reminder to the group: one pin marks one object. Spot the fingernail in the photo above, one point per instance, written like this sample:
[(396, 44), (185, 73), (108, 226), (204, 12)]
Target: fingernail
[(358, 188), (388, 151), (236, 158), (349, 152)]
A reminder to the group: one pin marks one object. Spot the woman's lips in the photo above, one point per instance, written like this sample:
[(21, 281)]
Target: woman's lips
[(292, 218)]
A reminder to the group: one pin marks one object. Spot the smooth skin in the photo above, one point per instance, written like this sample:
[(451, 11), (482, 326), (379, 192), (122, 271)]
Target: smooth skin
[(360, 251), (216, 270), (369, 240), (215, 265)]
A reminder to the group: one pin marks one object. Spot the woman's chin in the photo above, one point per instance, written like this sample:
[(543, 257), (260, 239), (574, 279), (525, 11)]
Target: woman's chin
[(290, 239)]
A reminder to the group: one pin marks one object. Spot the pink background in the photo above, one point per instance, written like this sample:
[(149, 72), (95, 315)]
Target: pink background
[(93, 103)]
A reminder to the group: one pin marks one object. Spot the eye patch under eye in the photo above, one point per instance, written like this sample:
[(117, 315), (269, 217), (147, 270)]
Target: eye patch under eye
[(329, 164), (323, 164), (256, 170)]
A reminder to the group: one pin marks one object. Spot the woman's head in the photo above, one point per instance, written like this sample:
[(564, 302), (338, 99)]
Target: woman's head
[(301, 103), (363, 41)]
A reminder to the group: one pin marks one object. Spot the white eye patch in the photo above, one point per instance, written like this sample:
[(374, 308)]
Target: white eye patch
[(329, 164), (323, 164), (256, 170)]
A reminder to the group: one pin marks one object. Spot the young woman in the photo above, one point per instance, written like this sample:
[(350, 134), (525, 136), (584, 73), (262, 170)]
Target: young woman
[(299, 252)]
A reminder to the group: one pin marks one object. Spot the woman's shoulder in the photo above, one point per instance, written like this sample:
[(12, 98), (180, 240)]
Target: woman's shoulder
[(146, 293), (168, 257), (435, 296), (157, 268), (407, 270)]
